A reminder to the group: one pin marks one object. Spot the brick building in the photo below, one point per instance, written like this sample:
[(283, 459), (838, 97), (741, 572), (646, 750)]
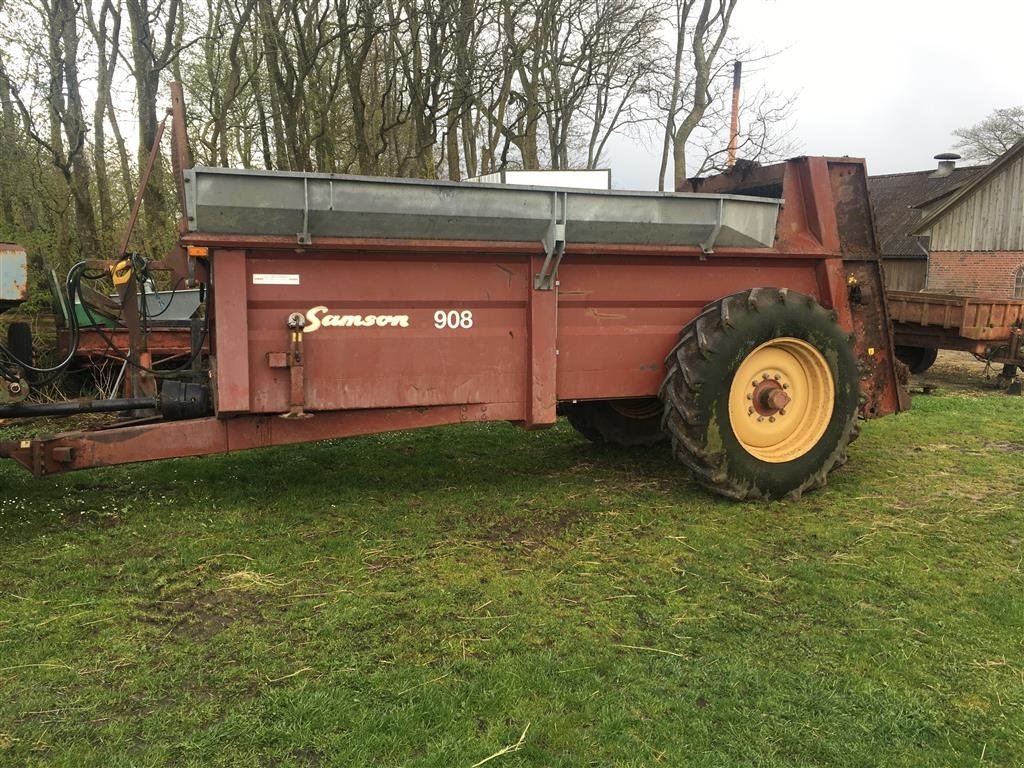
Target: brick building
[(976, 234)]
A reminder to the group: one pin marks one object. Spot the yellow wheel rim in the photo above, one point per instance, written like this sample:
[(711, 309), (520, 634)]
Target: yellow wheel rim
[(781, 400)]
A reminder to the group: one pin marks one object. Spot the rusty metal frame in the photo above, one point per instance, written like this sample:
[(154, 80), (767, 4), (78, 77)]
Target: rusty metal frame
[(210, 435), (164, 344), (139, 358)]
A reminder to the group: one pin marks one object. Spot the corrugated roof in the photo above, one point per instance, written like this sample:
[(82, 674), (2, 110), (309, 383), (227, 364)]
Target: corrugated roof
[(893, 197)]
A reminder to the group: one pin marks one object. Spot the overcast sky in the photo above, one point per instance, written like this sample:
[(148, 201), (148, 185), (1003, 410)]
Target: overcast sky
[(887, 80)]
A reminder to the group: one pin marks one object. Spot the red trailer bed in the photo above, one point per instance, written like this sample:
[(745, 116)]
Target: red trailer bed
[(923, 323)]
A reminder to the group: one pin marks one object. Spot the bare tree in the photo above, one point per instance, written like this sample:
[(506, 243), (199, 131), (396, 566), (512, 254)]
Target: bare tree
[(8, 144), (222, 77), (691, 78), (65, 140), (495, 99), (596, 58), (153, 32), (105, 26), (464, 27), (625, 74), (764, 133), (990, 138), (417, 36)]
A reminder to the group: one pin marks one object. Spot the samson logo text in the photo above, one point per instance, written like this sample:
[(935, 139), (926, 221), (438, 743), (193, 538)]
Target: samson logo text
[(318, 317)]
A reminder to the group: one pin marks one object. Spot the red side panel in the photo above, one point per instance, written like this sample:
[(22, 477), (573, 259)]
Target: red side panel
[(230, 326), (618, 319), (450, 331)]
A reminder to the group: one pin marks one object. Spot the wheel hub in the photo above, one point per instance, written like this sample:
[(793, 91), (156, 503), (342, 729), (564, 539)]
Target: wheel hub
[(781, 400), (769, 398)]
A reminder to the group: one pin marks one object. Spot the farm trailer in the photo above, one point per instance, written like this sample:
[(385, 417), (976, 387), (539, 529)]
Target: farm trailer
[(990, 329), (748, 327)]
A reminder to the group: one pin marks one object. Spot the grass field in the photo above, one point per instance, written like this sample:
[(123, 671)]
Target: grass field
[(442, 597)]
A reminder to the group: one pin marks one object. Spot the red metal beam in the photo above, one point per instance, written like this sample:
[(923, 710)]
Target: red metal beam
[(797, 245), (200, 437), (542, 322), (162, 342), (230, 323), (276, 242)]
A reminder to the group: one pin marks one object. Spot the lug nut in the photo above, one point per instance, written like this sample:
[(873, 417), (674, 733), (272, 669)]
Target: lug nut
[(750, 411), (760, 418), (14, 388), (782, 412), (776, 377), (785, 386), (771, 419), (749, 396)]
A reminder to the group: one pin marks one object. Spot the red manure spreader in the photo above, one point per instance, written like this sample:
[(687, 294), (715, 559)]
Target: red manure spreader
[(744, 324)]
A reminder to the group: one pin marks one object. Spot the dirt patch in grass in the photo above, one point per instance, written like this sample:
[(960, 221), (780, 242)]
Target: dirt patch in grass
[(306, 756), (534, 531), (960, 372), (1006, 445), (201, 616), (194, 611), (90, 518)]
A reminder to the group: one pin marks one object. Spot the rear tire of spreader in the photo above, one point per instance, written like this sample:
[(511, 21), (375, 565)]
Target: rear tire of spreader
[(626, 423), (917, 359), (762, 395)]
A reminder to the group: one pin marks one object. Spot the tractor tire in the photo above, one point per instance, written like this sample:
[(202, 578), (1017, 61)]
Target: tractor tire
[(762, 395), (624, 423), (917, 359)]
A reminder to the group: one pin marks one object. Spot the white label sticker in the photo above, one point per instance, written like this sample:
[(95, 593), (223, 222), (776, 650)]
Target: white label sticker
[(267, 279)]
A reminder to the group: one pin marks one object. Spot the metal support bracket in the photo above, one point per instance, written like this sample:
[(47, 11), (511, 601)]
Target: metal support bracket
[(294, 361), (554, 244), (188, 180), (40, 457), (708, 246), (303, 236)]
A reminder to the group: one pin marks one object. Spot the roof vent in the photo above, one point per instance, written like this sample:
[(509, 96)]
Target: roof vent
[(947, 162)]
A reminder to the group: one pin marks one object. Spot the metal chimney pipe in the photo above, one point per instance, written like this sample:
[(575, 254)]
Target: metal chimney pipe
[(947, 162), (734, 124)]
